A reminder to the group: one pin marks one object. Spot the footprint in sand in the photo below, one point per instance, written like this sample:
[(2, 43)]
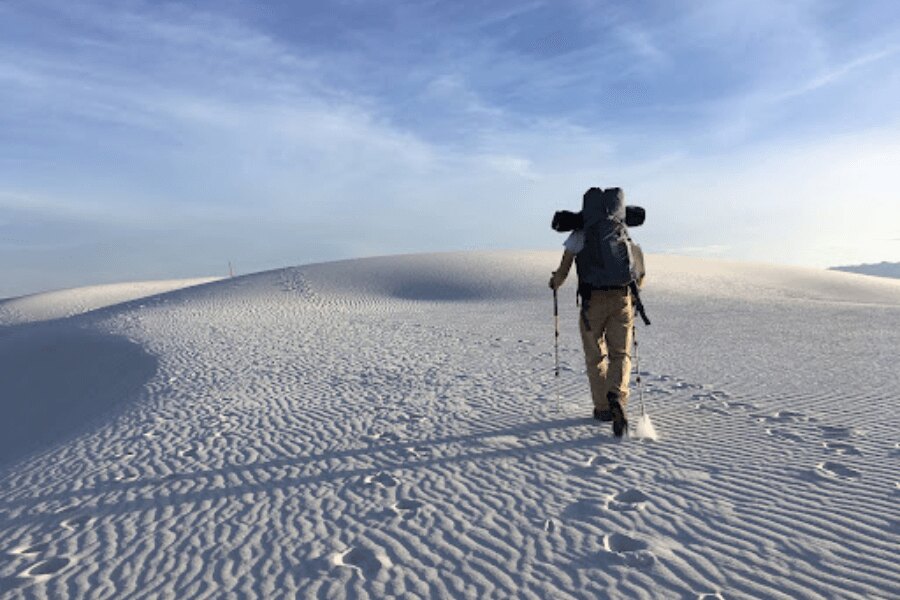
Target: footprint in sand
[(784, 416), (789, 415), (32, 550), (842, 448), (785, 435), (407, 509), (665, 378), (127, 475), (366, 561), (710, 596), (652, 389), (594, 465), (414, 417), (683, 385), (584, 509), (836, 433), (739, 405), (190, 452), (76, 522), (835, 470), (618, 542), (46, 568), (381, 479), (419, 451), (628, 500), (720, 398), (384, 436), (633, 551)]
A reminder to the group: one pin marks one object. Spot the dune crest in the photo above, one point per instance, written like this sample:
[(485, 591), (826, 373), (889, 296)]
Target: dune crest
[(66, 303)]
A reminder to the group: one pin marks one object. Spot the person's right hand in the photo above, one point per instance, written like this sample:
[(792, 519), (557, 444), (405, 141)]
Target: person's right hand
[(553, 284)]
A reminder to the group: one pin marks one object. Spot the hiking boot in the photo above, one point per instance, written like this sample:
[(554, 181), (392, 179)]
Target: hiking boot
[(619, 421), (603, 415)]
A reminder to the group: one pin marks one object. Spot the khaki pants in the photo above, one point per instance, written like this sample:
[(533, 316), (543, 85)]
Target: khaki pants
[(607, 344)]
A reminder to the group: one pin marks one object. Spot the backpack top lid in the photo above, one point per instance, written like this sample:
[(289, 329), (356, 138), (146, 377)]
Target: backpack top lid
[(600, 205)]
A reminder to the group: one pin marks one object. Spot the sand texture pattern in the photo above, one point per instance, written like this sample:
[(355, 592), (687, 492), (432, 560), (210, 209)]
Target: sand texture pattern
[(388, 428)]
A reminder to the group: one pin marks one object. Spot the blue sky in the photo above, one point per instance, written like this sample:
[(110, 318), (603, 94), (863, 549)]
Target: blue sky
[(144, 140)]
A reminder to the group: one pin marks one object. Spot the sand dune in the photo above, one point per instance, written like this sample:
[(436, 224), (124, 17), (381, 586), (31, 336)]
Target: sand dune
[(882, 269), (388, 428), (66, 303)]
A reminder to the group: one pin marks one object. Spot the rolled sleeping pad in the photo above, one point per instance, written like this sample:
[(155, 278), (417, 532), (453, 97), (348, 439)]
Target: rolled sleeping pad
[(634, 216), (565, 220)]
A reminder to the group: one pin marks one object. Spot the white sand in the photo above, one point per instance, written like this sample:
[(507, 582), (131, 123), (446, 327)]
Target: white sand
[(66, 303), (643, 428), (387, 428)]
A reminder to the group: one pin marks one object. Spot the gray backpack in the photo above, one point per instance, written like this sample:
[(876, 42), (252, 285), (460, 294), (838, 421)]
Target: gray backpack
[(609, 259)]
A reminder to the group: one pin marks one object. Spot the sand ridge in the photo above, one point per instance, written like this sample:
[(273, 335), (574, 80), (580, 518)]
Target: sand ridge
[(69, 302)]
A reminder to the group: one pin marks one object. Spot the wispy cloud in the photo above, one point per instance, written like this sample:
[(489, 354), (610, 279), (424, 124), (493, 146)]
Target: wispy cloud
[(419, 126), (835, 73)]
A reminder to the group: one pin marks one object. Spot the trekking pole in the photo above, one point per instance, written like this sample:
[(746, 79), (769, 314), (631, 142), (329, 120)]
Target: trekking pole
[(556, 344), (637, 364)]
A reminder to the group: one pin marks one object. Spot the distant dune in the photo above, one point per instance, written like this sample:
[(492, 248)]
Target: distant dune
[(66, 303), (882, 269)]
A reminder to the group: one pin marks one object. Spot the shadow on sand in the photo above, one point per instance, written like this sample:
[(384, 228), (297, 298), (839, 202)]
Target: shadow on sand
[(56, 379)]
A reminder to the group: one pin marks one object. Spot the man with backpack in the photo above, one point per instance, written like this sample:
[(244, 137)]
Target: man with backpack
[(610, 269)]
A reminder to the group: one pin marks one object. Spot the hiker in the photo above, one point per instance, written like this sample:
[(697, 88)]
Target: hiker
[(607, 291)]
